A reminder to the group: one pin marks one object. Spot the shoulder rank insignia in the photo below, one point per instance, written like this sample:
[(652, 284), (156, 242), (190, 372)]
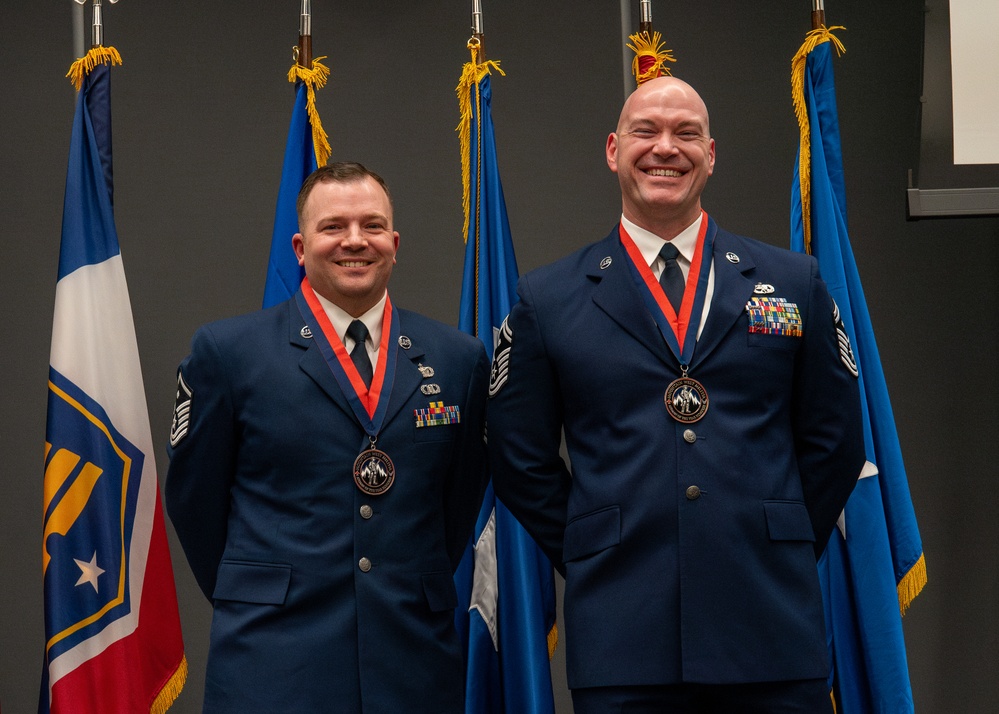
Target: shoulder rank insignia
[(774, 316), (181, 411), (845, 350), (437, 415)]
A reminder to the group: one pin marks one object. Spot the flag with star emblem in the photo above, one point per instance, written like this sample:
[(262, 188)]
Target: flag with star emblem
[(112, 632), (873, 566), (504, 579)]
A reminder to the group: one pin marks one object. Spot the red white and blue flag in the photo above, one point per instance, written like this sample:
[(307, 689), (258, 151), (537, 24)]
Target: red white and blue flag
[(112, 631)]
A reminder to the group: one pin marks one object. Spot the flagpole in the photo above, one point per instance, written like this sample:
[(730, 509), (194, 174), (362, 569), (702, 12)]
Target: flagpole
[(304, 50), (625, 52), (645, 16), (78, 48), (97, 35), (477, 32), (818, 14)]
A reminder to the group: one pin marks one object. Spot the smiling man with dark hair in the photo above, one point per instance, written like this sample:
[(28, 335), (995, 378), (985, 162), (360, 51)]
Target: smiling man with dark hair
[(326, 469)]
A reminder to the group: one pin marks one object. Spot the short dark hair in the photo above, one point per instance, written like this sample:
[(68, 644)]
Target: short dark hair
[(337, 172)]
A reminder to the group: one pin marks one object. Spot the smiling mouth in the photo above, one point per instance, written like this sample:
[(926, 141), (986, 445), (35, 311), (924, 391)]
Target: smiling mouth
[(353, 263), (673, 173)]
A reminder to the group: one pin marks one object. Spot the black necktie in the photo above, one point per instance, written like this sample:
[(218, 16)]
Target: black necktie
[(671, 278), (359, 355)]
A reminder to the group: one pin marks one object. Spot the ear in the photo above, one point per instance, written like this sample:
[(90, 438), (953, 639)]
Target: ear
[(711, 155), (612, 151), (395, 239), (298, 244)]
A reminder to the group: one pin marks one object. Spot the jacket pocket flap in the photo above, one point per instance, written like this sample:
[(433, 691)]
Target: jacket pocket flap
[(591, 533), (246, 581), (788, 520), (440, 591)]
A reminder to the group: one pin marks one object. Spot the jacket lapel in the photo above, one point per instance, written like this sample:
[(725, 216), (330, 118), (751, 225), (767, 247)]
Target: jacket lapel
[(617, 295), (407, 376), (312, 362), (733, 288)]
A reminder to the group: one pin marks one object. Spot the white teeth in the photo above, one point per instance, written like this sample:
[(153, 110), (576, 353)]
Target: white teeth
[(353, 263), (663, 172)]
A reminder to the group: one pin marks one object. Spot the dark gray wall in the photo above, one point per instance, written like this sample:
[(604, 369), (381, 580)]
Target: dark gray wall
[(201, 108)]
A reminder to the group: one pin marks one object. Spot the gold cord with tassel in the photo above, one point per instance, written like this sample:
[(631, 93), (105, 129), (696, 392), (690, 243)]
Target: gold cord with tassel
[(812, 40), (471, 74), (314, 78)]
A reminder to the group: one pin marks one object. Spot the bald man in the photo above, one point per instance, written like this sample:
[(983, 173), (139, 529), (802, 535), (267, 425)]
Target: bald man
[(709, 402)]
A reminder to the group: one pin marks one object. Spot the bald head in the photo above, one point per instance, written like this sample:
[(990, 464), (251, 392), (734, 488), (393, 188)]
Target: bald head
[(666, 91), (663, 154)]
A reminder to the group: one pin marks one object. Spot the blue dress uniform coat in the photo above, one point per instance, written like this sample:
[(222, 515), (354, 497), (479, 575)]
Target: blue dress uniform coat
[(689, 550), (325, 599)]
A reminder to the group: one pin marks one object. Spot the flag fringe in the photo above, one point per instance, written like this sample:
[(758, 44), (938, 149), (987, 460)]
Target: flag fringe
[(314, 78), (911, 584), (86, 64), (171, 690), (812, 40), (552, 640), (650, 56), (471, 74)]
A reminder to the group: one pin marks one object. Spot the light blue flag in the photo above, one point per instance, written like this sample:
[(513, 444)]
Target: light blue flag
[(284, 274), (873, 566), (504, 579)]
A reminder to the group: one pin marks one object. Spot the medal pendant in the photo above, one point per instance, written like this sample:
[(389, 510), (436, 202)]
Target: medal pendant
[(686, 400), (374, 472)]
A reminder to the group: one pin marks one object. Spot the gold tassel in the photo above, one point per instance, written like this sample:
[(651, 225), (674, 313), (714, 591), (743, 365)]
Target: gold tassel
[(314, 78), (912, 584), (812, 40), (650, 52), (471, 74), (86, 64), (171, 690), (552, 640)]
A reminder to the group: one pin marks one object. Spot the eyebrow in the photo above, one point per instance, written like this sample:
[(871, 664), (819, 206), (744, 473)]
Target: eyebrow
[(362, 219)]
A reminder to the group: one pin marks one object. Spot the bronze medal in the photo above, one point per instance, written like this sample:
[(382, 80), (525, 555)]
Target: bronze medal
[(374, 472), (686, 400)]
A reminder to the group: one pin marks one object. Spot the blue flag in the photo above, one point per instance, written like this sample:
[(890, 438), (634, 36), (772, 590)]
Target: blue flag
[(112, 630), (307, 148), (284, 274), (873, 566), (505, 580)]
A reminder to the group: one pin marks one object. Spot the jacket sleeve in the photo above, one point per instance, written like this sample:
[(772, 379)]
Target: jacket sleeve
[(525, 429), (828, 427), (202, 459)]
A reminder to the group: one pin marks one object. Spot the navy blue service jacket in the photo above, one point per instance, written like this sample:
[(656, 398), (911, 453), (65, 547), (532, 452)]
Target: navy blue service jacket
[(262, 496), (689, 550)]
